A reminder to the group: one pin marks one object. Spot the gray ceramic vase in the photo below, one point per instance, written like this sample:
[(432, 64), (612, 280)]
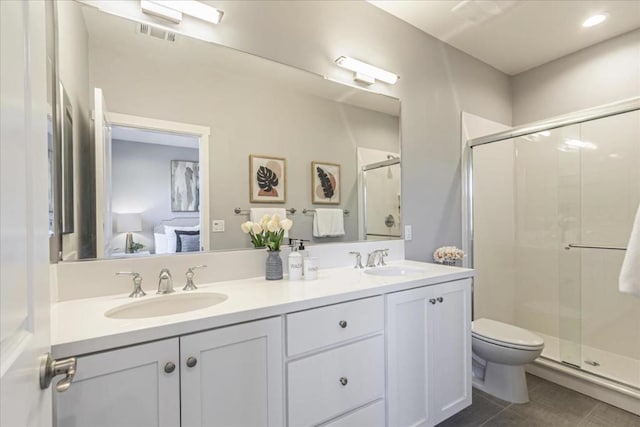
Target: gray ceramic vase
[(273, 267)]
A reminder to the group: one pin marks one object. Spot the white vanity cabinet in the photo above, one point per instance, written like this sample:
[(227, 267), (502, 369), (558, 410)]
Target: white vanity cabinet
[(428, 353), (135, 386), (233, 376), (336, 368), (222, 377)]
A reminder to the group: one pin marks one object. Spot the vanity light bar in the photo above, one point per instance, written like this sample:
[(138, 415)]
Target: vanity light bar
[(193, 8), (155, 9), (363, 70)]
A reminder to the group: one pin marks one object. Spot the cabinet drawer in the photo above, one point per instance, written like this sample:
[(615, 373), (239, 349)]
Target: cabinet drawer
[(369, 416), (316, 392), (311, 329)]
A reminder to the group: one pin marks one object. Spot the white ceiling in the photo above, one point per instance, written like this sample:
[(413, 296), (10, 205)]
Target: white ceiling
[(515, 36)]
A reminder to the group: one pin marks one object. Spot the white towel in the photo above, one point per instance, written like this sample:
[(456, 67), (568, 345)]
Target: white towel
[(256, 214), (328, 223), (629, 281)]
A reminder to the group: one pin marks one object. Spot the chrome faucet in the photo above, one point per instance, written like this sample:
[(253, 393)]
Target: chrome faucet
[(376, 257), (165, 282), (358, 259), (190, 286), (137, 283)]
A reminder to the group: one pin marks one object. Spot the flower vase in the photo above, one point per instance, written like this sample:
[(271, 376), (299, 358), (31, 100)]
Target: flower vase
[(273, 267), (450, 262)]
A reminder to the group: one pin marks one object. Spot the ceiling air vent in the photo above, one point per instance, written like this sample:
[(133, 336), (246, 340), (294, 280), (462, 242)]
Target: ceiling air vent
[(155, 32)]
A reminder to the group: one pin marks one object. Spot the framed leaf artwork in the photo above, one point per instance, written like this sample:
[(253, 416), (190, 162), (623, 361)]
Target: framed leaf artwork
[(268, 179), (325, 183)]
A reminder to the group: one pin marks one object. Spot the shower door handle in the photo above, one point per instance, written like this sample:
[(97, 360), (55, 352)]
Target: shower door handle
[(608, 248)]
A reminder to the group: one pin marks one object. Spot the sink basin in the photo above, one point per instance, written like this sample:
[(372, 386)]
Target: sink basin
[(165, 305), (392, 271)]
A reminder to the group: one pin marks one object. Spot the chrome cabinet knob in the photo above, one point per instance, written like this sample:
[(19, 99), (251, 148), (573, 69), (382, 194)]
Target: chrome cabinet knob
[(169, 367), (440, 299), (191, 362), (343, 324), (432, 300), (344, 381)]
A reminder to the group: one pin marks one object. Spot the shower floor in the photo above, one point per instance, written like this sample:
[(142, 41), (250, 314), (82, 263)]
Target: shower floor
[(611, 365)]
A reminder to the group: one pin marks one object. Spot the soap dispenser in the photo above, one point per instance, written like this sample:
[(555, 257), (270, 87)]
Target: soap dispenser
[(295, 262)]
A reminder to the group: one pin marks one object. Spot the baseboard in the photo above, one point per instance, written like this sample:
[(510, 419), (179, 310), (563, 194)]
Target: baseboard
[(609, 392)]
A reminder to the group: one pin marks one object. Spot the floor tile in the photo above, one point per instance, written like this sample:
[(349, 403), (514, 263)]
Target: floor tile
[(508, 418), (542, 414), (533, 382), (605, 415), (480, 411), (481, 394), (560, 400)]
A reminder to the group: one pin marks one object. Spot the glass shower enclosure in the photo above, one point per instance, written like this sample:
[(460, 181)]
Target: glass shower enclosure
[(552, 210)]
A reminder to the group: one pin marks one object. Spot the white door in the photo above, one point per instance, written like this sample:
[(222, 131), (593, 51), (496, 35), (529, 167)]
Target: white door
[(233, 376), (136, 386), (102, 137), (24, 246), (450, 340)]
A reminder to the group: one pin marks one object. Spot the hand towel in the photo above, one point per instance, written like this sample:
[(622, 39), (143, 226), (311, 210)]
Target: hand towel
[(629, 281), (256, 214), (328, 223)]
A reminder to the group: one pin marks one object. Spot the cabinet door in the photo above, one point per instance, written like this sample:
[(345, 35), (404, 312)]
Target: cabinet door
[(450, 342), (408, 317), (237, 376), (126, 387)]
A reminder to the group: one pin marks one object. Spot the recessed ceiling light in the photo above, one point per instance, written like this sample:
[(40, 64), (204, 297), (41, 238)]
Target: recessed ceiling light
[(594, 20)]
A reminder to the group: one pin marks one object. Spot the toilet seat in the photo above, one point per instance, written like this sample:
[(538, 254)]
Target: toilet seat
[(505, 335)]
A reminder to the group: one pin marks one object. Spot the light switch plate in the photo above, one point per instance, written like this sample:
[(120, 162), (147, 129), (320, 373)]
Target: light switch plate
[(407, 232), (217, 226)]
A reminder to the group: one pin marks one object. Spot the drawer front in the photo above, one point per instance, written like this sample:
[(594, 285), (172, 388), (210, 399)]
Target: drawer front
[(369, 416), (311, 329), (331, 383)]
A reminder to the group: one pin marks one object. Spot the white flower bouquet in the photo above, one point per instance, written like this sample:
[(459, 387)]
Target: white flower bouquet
[(448, 255), (268, 233)]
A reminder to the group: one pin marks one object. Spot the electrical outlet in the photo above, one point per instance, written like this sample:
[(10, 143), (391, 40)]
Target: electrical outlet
[(407, 233), (217, 226)]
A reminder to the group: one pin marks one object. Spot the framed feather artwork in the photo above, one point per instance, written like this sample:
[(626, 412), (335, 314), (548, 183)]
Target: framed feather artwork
[(325, 183), (267, 179)]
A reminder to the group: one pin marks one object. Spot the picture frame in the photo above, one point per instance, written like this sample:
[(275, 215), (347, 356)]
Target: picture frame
[(267, 179), (325, 183), (185, 186)]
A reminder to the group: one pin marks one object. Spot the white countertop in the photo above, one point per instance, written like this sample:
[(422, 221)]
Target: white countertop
[(80, 326)]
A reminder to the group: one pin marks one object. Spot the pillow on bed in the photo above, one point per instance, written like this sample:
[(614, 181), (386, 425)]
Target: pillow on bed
[(187, 241), (161, 243), (172, 240)]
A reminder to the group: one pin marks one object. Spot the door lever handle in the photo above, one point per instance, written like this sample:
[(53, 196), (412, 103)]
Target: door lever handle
[(50, 368)]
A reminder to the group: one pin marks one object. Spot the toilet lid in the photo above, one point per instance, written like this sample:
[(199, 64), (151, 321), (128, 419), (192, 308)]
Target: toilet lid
[(505, 333)]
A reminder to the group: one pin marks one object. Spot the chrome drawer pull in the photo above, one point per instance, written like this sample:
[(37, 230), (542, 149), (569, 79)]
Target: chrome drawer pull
[(343, 324), (344, 381), (440, 299), (432, 300), (169, 367)]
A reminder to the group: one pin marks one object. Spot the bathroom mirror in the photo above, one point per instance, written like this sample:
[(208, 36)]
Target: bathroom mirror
[(174, 122)]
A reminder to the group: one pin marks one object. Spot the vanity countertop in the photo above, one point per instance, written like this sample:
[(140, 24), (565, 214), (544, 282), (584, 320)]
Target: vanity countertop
[(81, 327)]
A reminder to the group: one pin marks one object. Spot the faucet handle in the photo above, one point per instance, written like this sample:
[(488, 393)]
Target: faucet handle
[(137, 283), (358, 259), (383, 253), (190, 286)]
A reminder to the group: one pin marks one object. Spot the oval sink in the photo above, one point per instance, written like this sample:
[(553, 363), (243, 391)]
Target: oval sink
[(392, 271), (165, 305)]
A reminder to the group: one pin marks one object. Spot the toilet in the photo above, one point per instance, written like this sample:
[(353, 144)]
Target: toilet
[(500, 352)]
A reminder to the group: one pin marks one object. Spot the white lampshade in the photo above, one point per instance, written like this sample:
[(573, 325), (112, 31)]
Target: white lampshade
[(128, 222)]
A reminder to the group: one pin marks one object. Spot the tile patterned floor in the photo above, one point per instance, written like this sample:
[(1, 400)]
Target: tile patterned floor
[(550, 405)]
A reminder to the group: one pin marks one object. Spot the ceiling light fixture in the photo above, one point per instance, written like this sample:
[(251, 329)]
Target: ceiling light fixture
[(194, 8), (594, 20), (155, 9), (366, 73)]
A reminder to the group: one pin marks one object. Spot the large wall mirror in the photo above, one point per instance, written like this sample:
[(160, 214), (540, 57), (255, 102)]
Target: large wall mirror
[(165, 125)]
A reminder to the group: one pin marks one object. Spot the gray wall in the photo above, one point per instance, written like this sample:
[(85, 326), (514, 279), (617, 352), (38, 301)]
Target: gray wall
[(600, 74), (141, 182), (437, 83)]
